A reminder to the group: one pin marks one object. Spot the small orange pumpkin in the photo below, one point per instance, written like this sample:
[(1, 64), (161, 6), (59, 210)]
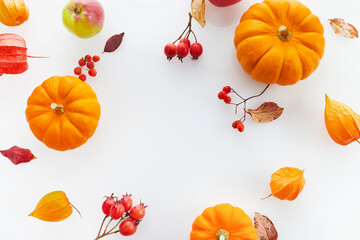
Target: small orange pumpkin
[(13, 12), (63, 112), (279, 41), (223, 222)]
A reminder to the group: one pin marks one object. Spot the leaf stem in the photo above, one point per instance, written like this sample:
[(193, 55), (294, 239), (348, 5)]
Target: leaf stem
[(266, 197), (76, 209)]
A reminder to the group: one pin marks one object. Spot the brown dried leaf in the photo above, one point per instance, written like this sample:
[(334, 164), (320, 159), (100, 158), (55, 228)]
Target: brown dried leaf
[(267, 112), (114, 42), (344, 29), (18, 155), (198, 11), (265, 228)]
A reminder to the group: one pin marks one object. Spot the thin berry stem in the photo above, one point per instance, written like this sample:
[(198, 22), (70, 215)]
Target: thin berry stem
[(102, 224), (188, 26), (107, 225), (121, 219), (193, 35)]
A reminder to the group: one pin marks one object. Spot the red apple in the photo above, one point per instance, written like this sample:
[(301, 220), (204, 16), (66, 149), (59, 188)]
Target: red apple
[(224, 3), (84, 18)]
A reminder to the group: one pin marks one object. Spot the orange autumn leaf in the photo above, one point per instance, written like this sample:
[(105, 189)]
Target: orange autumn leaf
[(342, 123), (287, 183), (53, 207), (267, 112), (344, 29), (198, 11)]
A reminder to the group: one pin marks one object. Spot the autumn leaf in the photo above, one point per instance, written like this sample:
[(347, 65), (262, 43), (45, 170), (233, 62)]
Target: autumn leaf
[(265, 228), (198, 11), (18, 155), (344, 29), (114, 42), (267, 112)]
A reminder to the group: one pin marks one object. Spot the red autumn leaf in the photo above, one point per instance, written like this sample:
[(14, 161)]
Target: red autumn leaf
[(344, 29), (18, 155), (265, 228), (114, 42), (267, 112)]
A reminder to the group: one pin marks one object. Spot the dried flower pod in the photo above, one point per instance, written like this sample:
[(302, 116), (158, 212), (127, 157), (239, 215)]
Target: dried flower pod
[(53, 207), (287, 183), (342, 123)]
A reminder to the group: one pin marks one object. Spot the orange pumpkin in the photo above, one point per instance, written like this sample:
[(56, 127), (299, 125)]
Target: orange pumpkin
[(279, 41), (13, 12), (63, 112), (223, 222)]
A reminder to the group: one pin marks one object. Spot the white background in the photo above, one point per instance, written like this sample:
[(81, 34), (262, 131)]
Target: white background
[(165, 137)]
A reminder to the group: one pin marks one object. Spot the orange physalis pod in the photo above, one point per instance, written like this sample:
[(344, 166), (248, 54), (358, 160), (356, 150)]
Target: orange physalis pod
[(53, 207), (287, 183), (342, 123)]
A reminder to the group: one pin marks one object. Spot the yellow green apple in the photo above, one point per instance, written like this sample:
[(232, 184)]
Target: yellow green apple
[(84, 18)]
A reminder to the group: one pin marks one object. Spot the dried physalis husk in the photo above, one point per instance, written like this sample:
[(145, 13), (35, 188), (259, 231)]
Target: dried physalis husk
[(53, 207), (342, 123), (287, 183), (198, 11)]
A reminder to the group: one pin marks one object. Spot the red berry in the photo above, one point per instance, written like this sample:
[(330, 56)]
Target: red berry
[(82, 77), (117, 210), (137, 212), (109, 202), (182, 50), (90, 65), (196, 50), (127, 227), (240, 127), (170, 50), (222, 95), (227, 89), (235, 124), (127, 202), (92, 72), (77, 70), (88, 58), (227, 99), (82, 62), (185, 40), (96, 58)]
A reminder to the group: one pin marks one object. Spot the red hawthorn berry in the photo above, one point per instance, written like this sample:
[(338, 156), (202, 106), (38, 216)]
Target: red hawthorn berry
[(88, 58), (170, 50), (90, 65), (222, 95), (227, 89), (240, 127), (236, 123), (92, 72), (196, 50), (108, 203), (82, 77), (227, 99), (127, 202), (182, 50), (127, 227), (96, 58), (185, 40), (77, 70), (82, 62)]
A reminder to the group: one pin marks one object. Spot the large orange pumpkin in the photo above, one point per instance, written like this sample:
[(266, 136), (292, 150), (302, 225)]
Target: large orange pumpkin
[(13, 12), (63, 112), (223, 222), (279, 41)]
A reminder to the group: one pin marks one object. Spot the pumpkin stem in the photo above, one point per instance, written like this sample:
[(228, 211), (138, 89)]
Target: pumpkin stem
[(58, 108), (222, 235), (284, 33)]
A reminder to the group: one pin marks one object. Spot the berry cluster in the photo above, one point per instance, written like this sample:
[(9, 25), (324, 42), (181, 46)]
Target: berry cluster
[(121, 209), (87, 63), (224, 95), (182, 49)]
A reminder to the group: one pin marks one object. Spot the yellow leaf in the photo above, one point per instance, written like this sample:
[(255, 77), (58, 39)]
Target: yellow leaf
[(53, 207), (342, 123), (198, 11)]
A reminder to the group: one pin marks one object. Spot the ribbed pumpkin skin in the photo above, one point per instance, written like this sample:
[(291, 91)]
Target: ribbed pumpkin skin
[(223, 216), (13, 55), (266, 57), (13, 12), (78, 121)]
